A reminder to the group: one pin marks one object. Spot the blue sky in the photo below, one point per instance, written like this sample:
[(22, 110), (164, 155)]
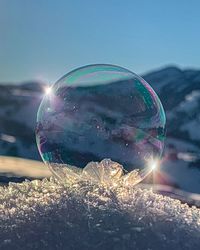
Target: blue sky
[(42, 39)]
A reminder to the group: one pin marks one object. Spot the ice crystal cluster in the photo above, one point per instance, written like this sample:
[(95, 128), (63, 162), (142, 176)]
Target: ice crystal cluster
[(106, 172), (83, 214)]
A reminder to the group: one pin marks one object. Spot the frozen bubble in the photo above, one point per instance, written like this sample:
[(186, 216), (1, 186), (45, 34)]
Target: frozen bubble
[(101, 112)]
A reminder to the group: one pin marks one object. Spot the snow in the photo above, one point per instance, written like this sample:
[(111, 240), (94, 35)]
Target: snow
[(180, 175), (193, 128), (83, 215), (190, 103), (19, 167), (8, 138), (189, 157), (176, 164)]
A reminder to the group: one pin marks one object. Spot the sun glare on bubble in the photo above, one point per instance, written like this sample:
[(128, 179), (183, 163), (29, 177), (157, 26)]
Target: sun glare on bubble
[(48, 90), (153, 164)]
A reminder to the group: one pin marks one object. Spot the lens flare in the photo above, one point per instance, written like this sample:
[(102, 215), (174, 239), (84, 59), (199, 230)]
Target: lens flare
[(48, 90), (153, 164)]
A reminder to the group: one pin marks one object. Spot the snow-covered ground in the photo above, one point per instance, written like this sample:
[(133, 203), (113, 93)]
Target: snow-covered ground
[(80, 215)]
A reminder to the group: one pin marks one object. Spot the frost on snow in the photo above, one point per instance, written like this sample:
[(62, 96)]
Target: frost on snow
[(80, 214)]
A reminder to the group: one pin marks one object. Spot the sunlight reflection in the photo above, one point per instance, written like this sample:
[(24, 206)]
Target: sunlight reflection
[(153, 164), (48, 90)]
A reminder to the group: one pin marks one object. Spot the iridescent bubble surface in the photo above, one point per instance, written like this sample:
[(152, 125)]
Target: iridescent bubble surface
[(101, 112)]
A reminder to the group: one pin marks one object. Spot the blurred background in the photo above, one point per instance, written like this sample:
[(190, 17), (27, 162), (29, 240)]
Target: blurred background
[(42, 40)]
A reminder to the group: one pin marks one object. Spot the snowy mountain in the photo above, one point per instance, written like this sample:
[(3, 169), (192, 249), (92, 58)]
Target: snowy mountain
[(18, 109), (179, 91)]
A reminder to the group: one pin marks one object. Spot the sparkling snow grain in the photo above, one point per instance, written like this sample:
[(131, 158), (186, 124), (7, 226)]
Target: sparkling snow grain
[(46, 215)]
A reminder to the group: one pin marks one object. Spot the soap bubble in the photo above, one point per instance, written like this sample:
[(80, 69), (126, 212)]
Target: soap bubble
[(101, 113)]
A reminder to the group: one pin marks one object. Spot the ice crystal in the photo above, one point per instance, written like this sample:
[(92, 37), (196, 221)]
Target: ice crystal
[(87, 215), (106, 172)]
